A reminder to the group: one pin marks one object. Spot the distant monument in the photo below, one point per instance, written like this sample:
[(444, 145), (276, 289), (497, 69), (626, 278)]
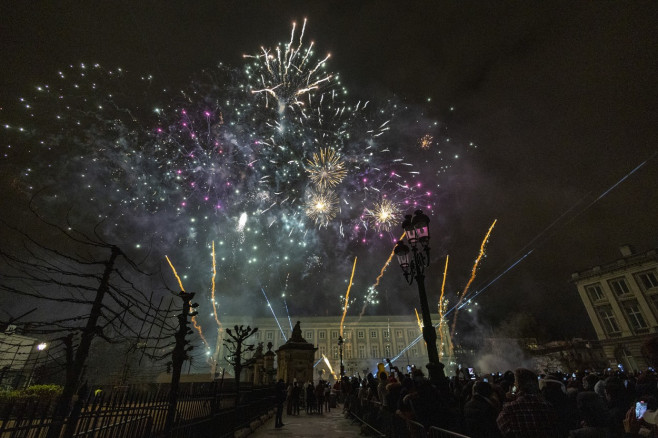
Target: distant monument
[(295, 358)]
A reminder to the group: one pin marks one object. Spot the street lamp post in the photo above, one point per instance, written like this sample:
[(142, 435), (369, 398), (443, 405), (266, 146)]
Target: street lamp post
[(413, 263), (340, 353)]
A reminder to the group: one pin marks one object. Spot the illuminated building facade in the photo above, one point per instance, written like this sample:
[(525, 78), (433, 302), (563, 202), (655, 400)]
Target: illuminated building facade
[(367, 341), (621, 299)]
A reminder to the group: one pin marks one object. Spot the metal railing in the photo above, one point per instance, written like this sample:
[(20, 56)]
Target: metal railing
[(140, 412), (376, 420)]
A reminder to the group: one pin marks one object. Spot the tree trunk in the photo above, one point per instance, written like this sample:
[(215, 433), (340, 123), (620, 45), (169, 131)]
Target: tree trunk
[(74, 369)]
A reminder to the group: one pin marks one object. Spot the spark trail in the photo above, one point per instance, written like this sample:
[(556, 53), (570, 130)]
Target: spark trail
[(545, 232), (194, 320), (331, 370), (441, 317), (285, 289), (470, 280), (443, 287), (420, 323), (273, 314), (379, 277), (212, 289), (347, 297)]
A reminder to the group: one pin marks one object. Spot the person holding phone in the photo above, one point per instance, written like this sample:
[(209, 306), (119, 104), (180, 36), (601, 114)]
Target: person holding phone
[(642, 419)]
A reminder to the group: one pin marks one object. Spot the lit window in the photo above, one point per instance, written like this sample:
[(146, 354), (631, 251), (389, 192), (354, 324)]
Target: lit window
[(398, 334), (386, 334), (360, 334), (309, 335), (321, 334), (373, 333), (334, 334), (270, 336)]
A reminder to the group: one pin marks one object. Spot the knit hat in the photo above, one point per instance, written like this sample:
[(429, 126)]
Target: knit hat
[(549, 380), (599, 388)]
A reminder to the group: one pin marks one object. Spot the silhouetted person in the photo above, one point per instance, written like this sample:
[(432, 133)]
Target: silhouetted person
[(280, 395)]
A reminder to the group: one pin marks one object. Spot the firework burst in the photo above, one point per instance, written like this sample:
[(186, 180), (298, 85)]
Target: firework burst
[(255, 158), (425, 141), (326, 169), (322, 206), (289, 75), (384, 215)]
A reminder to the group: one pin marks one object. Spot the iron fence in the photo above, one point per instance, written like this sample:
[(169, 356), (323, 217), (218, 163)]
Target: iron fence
[(139, 412)]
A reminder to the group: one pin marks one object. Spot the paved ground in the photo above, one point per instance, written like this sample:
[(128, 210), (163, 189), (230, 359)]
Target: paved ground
[(332, 424)]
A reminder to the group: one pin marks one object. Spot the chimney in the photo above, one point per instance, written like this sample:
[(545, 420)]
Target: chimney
[(626, 250)]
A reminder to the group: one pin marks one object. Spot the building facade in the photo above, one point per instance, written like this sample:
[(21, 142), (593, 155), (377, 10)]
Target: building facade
[(368, 340), (621, 299), (18, 358)]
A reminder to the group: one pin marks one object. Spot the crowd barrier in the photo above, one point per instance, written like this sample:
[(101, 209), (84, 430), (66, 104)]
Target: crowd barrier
[(379, 421)]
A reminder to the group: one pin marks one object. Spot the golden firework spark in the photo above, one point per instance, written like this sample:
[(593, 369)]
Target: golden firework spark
[(326, 169), (385, 214), (470, 280), (442, 303), (425, 141), (347, 298), (331, 370), (212, 290), (322, 206), (194, 320), (420, 323)]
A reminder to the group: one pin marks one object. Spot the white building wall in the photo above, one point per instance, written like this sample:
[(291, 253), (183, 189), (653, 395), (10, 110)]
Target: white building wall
[(324, 333)]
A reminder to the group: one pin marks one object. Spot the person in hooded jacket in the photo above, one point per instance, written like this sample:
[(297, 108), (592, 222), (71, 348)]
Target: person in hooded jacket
[(480, 412)]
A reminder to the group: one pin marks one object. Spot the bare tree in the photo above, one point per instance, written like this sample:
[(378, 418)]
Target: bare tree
[(88, 288), (237, 348)]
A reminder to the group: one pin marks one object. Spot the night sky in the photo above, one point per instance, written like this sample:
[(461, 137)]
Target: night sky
[(559, 100)]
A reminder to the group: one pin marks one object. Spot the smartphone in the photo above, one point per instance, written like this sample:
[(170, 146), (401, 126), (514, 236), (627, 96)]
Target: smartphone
[(640, 409), (573, 375), (485, 380)]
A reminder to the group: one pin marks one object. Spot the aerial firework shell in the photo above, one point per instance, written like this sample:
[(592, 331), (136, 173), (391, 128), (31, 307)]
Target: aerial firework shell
[(321, 206)]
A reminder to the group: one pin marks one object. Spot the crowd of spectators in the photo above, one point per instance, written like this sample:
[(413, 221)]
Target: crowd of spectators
[(517, 403)]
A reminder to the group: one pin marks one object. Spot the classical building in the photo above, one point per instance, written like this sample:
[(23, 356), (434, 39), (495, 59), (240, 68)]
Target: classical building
[(621, 299), (368, 340)]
